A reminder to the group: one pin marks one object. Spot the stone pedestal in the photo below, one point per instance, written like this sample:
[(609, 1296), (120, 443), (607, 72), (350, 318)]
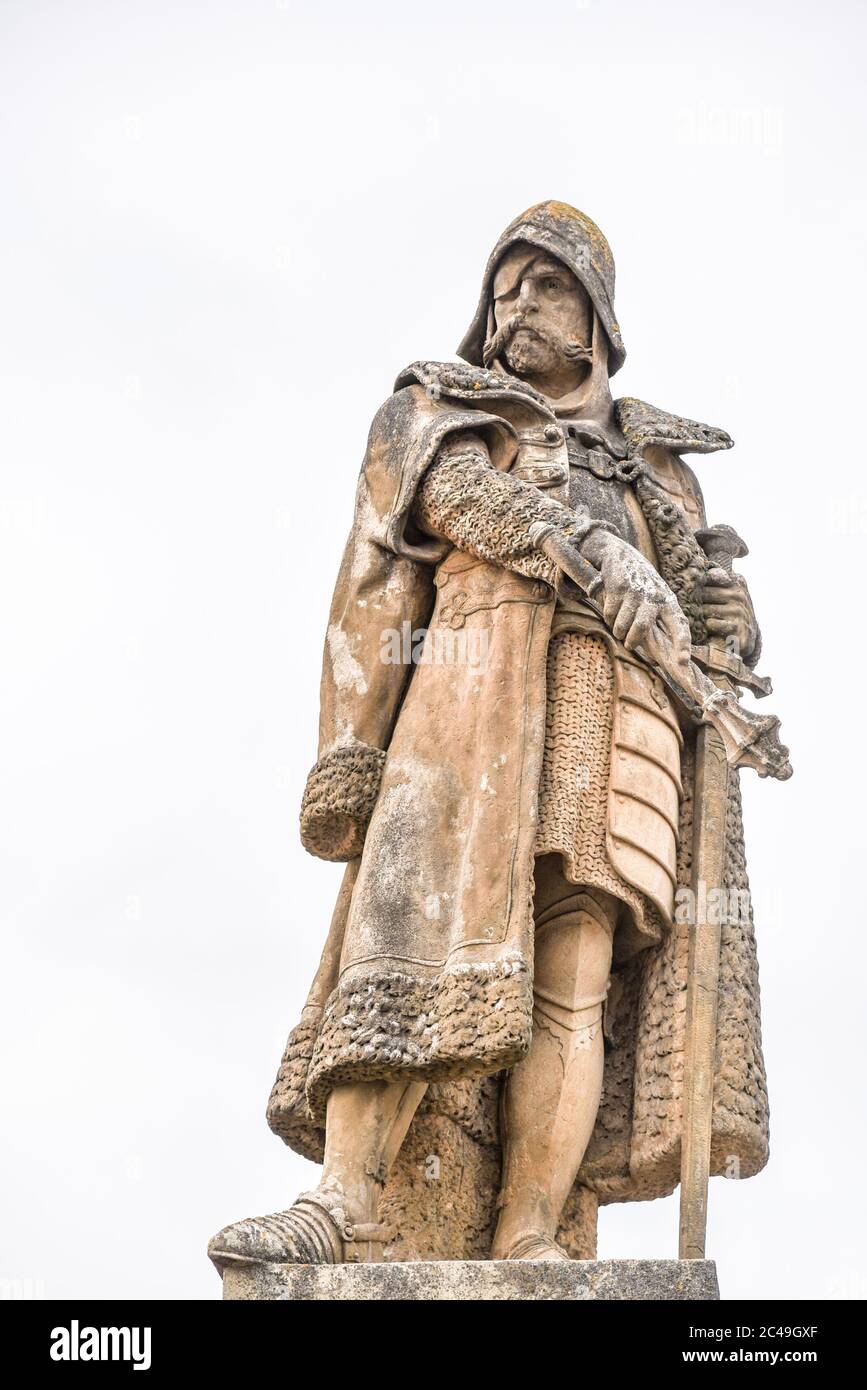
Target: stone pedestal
[(477, 1280)]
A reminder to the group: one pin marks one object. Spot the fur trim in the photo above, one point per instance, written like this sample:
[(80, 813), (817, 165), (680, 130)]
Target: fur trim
[(644, 425), (338, 801), (471, 1020), (457, 379), (287, 1106)]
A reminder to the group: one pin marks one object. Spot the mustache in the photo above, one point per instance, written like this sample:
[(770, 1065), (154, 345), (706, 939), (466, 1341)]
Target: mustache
[(567, 348)]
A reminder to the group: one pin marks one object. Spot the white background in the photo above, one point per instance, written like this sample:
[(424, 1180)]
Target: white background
[(226, 228)]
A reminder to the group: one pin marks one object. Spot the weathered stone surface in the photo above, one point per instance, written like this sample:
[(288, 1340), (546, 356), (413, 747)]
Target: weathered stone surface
[(474, 1280)]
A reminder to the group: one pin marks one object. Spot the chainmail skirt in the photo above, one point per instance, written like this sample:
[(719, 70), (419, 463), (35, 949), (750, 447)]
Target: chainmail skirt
[(573, 790)]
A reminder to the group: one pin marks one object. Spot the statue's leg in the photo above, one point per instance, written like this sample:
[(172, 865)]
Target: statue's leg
[(551, 1098), (365, 1125)]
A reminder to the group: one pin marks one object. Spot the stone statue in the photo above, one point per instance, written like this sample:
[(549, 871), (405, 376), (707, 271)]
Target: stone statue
[(532, 633)]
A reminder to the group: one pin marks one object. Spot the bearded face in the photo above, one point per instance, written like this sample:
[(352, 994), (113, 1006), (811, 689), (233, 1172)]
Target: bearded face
[(543, 317)]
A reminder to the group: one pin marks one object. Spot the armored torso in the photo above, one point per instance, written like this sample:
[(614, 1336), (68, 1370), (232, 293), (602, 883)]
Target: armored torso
[(609, 796)]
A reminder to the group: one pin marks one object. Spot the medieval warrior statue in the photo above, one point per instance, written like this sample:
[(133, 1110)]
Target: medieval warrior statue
[(505, 1028)]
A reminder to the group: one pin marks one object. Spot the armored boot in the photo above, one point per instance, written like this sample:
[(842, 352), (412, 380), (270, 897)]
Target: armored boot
[(316, 1229), (365, 1126), (532, 1245)]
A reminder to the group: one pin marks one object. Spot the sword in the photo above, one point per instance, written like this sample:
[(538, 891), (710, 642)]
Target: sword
[(722, 545)]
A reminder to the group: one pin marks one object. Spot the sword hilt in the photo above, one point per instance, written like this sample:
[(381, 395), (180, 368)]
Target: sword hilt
[(722, 545)]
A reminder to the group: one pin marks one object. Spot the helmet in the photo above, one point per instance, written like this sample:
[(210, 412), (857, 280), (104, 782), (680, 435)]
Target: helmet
[(569, 235)]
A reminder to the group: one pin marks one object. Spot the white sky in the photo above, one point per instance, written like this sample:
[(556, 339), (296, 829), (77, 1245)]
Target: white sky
[(227, 226)]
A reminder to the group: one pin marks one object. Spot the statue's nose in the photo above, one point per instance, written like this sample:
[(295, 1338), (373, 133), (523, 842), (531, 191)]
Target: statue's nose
[(527, 296)]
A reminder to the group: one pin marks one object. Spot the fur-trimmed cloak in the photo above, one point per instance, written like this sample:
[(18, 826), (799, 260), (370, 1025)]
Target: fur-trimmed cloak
[(426, 782)]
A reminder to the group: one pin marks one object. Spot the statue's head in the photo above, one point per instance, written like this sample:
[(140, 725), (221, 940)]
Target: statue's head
[(547, 301), (542, 317)]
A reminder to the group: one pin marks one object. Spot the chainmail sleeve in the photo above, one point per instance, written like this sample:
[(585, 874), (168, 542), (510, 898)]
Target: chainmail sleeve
[(464, 499)]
